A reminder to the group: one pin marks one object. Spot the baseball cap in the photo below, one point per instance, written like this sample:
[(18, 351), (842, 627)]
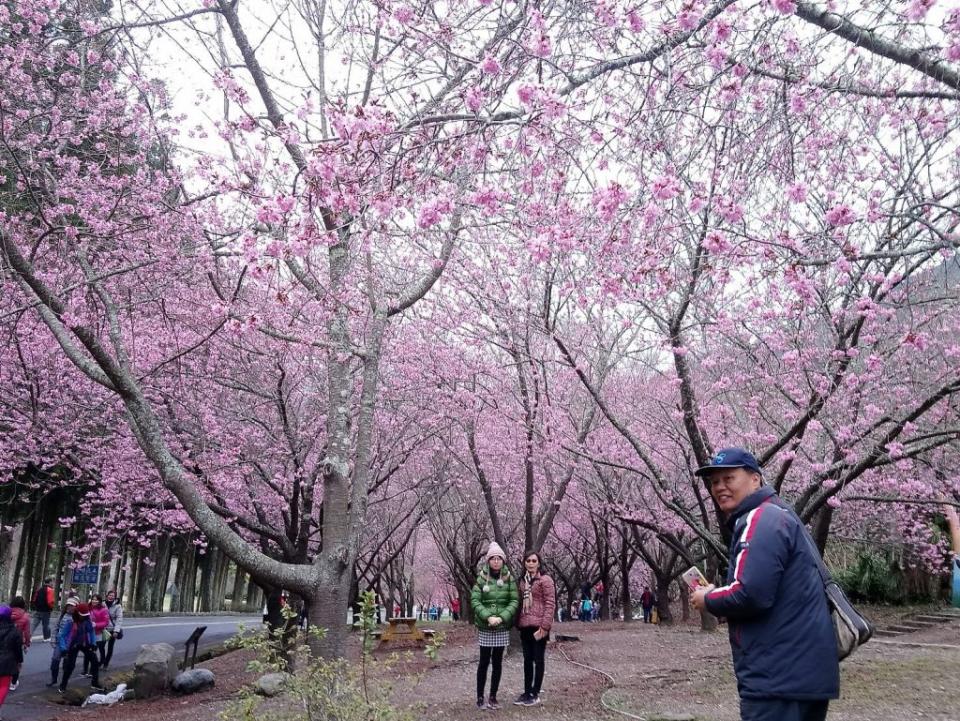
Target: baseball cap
[(73, 601), (730, 458)]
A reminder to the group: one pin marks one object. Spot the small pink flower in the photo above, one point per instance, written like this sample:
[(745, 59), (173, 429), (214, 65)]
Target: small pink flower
[(527, 94), (785, 7), (490, 65), (797, 192), (918, 9), (665, 187), (840, 215), (474, 99), (403, 14)]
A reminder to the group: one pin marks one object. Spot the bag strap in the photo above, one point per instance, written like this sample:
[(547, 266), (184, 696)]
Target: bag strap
[(821, 566)]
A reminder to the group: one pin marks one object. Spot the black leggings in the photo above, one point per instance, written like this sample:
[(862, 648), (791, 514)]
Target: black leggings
[(86, 659), (534, 652), (70, 662), (105, 659), (486, 652)]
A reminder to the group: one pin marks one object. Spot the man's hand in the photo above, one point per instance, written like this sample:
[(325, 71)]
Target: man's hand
[(697, 597), (494, 620)]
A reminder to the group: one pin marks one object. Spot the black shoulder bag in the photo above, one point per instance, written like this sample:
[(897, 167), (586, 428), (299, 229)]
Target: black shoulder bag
[(851, 628)]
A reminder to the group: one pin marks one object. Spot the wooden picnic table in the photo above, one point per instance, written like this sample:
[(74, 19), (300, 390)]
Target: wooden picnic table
[(403, 628)]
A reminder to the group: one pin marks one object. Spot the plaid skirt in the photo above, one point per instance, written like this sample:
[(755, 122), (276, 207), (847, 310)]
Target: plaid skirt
[(494, 639)]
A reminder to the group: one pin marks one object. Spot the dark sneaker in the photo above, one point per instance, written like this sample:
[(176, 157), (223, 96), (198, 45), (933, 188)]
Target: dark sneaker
[(521, 700), (492, 704), (51, 684), (61, 690), (481, 704), (532, 701)]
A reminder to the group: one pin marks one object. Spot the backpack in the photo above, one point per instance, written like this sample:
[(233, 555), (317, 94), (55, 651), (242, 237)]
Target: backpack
[(40, 602)]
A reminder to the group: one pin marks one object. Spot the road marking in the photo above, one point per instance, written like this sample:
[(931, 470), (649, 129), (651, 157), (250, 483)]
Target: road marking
[(39, 637), (192, 623)]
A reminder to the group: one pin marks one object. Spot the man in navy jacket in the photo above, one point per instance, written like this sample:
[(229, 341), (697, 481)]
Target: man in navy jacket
[(781, 635)]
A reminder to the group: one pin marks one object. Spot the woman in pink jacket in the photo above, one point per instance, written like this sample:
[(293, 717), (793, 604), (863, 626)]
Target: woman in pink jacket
[(538, 601), (100, 618)]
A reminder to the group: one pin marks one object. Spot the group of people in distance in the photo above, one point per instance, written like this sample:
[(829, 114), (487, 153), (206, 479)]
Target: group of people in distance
[(781, 633), (88, 629)]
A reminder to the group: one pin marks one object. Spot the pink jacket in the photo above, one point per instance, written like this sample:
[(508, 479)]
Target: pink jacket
[(543, 604), (100, 617)]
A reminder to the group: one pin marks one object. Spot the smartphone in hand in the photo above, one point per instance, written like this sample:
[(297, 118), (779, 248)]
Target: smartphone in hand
[(694, 578)]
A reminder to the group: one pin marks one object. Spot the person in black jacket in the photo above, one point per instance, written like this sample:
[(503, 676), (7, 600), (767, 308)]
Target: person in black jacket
[(781, 635), (11, 651)]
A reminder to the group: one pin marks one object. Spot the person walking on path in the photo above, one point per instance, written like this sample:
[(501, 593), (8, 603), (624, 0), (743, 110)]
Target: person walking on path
[(65, 615), (538, 602), (78, 637), (43, 604), (11, 651), (21, 619), (494, 604), (781, 635), (115, 611), (647, 601)]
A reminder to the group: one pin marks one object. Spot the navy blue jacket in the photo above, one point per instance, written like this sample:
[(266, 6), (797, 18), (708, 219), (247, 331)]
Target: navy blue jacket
[(780, 629)]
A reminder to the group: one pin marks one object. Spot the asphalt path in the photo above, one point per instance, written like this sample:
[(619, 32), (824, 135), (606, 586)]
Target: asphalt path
[(30, 702)]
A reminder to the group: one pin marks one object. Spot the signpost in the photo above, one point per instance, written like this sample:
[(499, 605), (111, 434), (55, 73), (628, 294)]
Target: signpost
[(86, 575)]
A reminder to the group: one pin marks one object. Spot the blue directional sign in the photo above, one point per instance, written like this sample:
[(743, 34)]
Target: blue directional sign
[(86, 575)]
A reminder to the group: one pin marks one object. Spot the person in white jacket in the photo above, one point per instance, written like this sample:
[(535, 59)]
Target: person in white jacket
[(115, 609)]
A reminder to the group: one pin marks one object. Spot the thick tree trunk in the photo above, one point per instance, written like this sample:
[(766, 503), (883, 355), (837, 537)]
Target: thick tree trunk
[(10, 559), (708, 622), (626, 603), (239, 589), (328, 610), (663, 600)]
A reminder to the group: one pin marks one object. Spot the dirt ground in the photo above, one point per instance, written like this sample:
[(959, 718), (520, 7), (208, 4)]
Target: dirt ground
[(618, 671)]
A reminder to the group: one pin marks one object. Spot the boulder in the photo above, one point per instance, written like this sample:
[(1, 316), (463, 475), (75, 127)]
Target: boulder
[(198, 679), (271, 685), (154, 669)]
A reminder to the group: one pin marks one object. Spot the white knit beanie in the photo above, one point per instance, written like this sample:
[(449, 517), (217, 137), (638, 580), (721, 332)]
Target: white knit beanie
[(494, 550)]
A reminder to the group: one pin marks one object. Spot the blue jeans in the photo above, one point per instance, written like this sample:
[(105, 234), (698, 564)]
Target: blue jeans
[(773, 709)]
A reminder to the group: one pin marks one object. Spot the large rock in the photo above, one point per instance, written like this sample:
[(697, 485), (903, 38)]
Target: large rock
[(198, 679), (154, 669), (271, 685)]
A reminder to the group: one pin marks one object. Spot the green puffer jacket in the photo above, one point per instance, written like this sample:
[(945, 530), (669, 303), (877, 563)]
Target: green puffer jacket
[(494, 597)]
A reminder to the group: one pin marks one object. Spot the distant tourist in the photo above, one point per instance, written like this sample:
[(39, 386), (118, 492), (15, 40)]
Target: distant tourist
[(65, 615), (43, 604), (647, 602), (100, 617), (115, 629), (76, 637)]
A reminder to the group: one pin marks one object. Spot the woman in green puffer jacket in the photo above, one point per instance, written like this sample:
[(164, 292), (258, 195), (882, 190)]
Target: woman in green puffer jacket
[(494, 601)]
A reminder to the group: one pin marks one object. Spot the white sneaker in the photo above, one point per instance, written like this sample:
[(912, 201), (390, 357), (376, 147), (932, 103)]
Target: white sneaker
[(13, 686)]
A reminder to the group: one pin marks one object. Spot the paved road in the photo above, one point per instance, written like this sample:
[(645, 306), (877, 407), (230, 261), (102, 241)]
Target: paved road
[(30, 701)]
